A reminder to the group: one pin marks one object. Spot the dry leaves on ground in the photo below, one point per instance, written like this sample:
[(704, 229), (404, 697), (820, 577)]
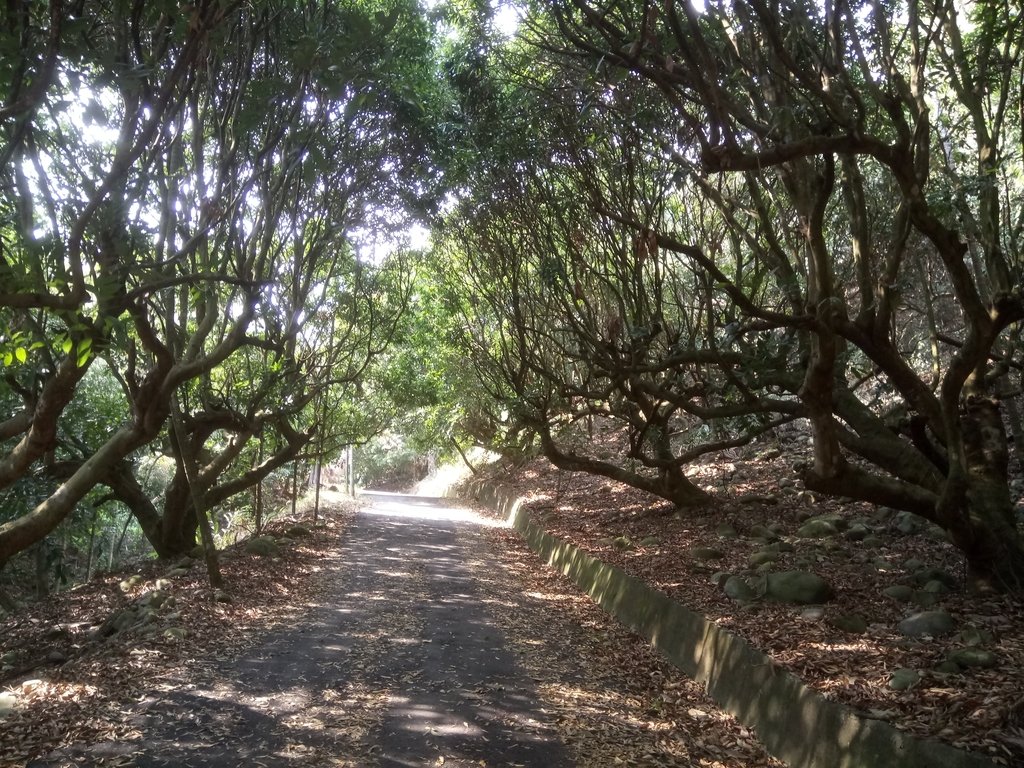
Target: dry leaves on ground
[(73, 687), (979, 709)]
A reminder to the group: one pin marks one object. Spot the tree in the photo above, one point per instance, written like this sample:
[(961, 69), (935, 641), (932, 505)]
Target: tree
[(759, 212), (193, 231)]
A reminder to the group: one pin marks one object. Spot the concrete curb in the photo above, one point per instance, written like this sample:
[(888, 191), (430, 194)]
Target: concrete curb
[(795, 724)]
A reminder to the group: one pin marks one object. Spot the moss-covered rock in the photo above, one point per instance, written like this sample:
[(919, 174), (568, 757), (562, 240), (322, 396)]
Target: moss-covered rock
[(853, 623), (932, 623), (816, 528), (798, 587), (973, 657), (899, 592), (903, 679), (737, 588), (705, 554), (762, 558), (726, 531), (263, 546)]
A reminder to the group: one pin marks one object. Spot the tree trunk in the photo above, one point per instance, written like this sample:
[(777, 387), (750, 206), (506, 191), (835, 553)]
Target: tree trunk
[(187, 458), (462, 455), (295, 486), (257, 502), (986, 530), (42, 570), (117, 542), (671, 485), (92, 542), (21, 533), (988, 537)]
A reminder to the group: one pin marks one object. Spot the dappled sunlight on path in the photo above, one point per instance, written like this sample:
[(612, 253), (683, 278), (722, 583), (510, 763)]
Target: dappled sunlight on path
[(397, 663), (381, 503)]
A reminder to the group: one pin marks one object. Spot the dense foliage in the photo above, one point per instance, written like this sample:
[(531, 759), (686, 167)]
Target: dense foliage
[(669, 228), (749, 214), (178, 197)]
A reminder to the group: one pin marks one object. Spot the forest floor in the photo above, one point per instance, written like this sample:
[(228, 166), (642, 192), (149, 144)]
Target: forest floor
[(186, 680), (850, 647)]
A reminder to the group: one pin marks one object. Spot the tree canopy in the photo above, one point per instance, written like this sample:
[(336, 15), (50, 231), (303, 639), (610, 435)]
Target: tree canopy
[(678, 227), (747, 214)]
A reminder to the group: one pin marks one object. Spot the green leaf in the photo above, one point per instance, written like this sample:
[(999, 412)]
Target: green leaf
[(22, 354), (84, 352), (65, 345)]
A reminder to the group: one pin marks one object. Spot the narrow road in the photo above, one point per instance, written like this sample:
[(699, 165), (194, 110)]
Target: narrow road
[(399, 665)]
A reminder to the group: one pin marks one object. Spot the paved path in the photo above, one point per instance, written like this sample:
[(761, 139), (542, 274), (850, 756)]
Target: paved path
[(400, 665)]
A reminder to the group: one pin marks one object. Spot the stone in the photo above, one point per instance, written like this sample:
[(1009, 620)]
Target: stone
[(650, 541), (853, 623), (882, 514), (154, 598), (925, 599), (763, 558), (973, 657), (787, 482), (265, 546), (799, 587), (56, 632), (197, 552), (932, 623), (768, 454), (131, 582), (974, 636), (882, 565), (936, 587), (175, 633), (948, 668), (913, 564), (298, 531), (814, 613), (719, 578), (816, 529), (56, 657), (871, 541), (924, 575), (163, 585), (856, 532), (726, 531), (763, 532), (738, 589), (220, 596), (902, 679), (838, 521), (899, 592), (8, 703), (705, 554), (908, 523), (176, 572)]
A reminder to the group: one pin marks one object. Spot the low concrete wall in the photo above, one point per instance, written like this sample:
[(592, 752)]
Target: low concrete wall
[(795, 724)]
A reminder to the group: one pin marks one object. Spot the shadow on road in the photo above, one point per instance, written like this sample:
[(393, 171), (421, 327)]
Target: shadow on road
[(399, 664)]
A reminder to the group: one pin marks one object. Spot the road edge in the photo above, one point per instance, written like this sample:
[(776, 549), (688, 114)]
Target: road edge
[(795, 723)]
